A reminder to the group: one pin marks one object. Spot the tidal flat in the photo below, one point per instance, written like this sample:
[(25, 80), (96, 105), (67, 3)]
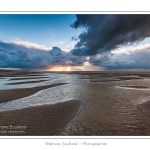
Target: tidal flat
[(114, 103)]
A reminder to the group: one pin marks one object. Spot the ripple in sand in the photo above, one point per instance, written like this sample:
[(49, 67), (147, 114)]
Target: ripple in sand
[(145, 107), (42, 120)]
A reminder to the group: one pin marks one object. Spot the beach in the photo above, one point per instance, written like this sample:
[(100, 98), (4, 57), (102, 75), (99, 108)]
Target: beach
[(40, 120), (74, 103)]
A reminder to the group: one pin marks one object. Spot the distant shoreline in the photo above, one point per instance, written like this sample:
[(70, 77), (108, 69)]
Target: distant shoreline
[(8, 72)]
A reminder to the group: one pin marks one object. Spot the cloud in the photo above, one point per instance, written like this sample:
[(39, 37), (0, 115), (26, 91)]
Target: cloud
[(74, 38), (66, 45), (26, 55), (107, 32), (19, 56), (22, 45), (137, 59), (30, 45), (130, 50), (13, 55)]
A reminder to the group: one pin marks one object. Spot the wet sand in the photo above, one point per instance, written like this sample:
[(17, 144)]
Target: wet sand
[(145, 107), (28, 75), (128, 78), (103, 80), (95, 78), (27, 82), (7, 73), (106, 110), (28, 78), (39, 120), (137, 87), (8, 95), (145, 75)]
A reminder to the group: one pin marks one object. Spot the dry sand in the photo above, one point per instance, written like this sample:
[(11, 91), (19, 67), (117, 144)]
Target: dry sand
[(7, 95), (39, 120)]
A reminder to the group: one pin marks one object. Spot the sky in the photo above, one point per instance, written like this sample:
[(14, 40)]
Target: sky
[(48, 30), (69, 42)]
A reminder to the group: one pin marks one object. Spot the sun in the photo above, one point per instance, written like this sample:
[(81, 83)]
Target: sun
[(68, 68)]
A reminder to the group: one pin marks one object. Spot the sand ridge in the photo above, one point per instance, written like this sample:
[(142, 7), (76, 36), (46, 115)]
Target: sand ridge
[(25, 78), (40, 120), (26, 82)]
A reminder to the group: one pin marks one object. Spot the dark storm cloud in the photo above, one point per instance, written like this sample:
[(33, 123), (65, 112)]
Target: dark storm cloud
[(107, 32)]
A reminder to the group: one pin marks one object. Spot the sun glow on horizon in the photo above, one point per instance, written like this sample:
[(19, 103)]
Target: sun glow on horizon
[(85, 67), (59, 68), (68, 68)]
